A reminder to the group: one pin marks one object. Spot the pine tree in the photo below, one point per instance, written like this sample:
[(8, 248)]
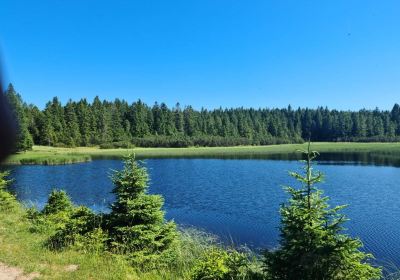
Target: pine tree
[(55, 123), (178, 118), (312, 245), (190, 125), (58, 201), (47, 136), (168, 122), (35, 120), (106, 126), (395, 116), (159, 126), (136, 223), (97, 120), (85, 120), (138, 114), (118, 131), (73, 135), (24, 139)]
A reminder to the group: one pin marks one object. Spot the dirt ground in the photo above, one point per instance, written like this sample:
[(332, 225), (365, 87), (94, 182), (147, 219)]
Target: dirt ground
[(15, 273)]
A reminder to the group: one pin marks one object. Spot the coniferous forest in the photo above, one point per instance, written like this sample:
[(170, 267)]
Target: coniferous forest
[(120, 124)]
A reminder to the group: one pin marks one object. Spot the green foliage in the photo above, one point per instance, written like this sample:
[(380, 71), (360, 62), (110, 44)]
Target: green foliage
[(73, 135), (58, 202), (4, 181), (136, 223), (7, 200), (24, 249), (138, 234), (212, 266), (82, 230), (117, 145), (219, 264), (313, 245), (70, 226), (135, 227), (55, 214), (102, 123), (24, 139)]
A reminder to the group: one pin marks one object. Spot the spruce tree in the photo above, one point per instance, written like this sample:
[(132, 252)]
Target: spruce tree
[(103, 122), (85, 119), (137, 115), (73, 135), (48, 135), (24, 139), (117, 128), (55, 112), (312, 243), (136, 223), (178, 118)]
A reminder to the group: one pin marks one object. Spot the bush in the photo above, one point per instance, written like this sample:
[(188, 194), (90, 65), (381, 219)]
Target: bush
[(58, 201), (68, 225), (55, 214), (61, 145), (7, 200), (209, 141), (220, 264), (117, 145), (82, 230), (163, 141)]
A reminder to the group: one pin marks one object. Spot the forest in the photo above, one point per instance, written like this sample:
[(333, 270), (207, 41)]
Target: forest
[(118, 124)]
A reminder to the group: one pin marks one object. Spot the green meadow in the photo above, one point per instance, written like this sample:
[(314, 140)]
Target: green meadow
[(52, 155)]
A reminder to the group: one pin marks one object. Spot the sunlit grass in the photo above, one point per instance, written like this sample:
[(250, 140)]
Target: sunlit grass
[(52, 155), (23, 248)]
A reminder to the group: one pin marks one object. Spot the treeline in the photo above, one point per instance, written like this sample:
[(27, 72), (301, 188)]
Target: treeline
[(119, 124)]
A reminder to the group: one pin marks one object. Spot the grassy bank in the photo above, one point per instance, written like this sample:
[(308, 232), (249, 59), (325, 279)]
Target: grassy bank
[(30, 158), (51, 155), (24, 248)]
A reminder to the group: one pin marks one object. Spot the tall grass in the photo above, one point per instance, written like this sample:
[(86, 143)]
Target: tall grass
[(51, 155), (47, 159), (25, 248)]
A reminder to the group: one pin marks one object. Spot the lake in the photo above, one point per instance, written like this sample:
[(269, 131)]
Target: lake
[(237, 199)]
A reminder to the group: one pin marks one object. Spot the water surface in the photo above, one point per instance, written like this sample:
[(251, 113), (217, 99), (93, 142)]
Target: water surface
[(237, 199)]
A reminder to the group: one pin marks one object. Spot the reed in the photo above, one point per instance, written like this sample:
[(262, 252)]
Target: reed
[(52, 155)]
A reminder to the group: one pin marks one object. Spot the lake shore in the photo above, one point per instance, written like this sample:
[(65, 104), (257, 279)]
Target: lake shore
[(51, 155), (23, 254)]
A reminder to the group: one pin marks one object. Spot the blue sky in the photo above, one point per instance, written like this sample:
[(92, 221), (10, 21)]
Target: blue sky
[(205, 53)]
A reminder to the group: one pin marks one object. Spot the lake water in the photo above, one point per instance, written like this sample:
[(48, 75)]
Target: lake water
[(238, 199)]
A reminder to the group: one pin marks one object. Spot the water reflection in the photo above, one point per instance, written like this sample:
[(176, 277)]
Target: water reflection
[(339, 158)]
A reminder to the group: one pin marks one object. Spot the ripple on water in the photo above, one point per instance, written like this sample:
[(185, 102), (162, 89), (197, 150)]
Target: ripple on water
[(237, 199)]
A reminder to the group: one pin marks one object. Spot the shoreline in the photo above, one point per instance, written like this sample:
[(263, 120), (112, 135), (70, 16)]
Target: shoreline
[(43, 155)]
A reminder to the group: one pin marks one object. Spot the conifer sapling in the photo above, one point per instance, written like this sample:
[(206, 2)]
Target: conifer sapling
[(136, 223), (312, 243)]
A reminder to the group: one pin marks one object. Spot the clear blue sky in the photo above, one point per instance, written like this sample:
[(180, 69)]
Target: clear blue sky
[(211, 53)]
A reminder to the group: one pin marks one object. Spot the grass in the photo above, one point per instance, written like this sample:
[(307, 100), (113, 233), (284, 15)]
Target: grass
[(22, 248), (49, 156), (19, 247), (52, 155)]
